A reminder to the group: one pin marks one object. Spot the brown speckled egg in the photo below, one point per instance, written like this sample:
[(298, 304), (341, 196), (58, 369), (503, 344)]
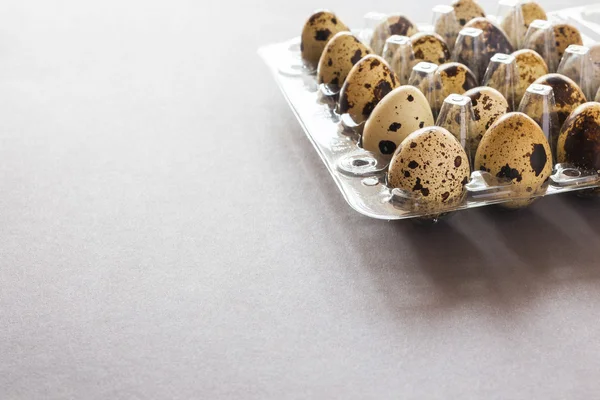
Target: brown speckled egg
[(431, 165), (567, 95), (429, 47), (579, 140), (515, 148), (529, 12), (399, 114), (455, 78), (488, 105), (531, 66), (464, 11), (369, 81), (393, 25), (564, 36), (317, 31), (494, 41), (342, 52)]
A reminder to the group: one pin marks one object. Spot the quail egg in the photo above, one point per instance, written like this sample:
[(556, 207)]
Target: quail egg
[(531, 66), (564, 36), (317, 31), (369, 81), (393, 25), (455, 78), (488, 105), (567, 95), (529, 12), (342, 52), (430, 47), (515, 148), (403, 111), (579, 140), (494, 41), (432, 167), (449, 25)]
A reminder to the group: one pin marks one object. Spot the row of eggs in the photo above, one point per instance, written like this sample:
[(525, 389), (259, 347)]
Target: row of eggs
[(428, 160)]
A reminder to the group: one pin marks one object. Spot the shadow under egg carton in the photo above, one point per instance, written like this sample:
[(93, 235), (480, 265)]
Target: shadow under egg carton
[(361, 176)]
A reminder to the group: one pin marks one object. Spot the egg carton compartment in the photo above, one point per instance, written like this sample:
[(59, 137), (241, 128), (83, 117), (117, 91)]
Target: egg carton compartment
[(361, 175)]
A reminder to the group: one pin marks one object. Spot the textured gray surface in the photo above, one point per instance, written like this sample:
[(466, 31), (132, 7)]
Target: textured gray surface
[(167, 232)]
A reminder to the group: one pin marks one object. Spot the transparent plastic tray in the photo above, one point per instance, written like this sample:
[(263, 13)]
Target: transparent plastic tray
[(359, 175)]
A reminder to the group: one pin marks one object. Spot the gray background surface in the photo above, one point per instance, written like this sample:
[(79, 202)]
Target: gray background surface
[(168, 232)]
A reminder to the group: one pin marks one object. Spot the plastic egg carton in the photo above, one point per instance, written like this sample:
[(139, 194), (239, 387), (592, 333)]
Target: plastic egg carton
[(361, 175)]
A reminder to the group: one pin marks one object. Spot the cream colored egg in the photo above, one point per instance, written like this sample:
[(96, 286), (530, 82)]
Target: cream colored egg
[(368, 82), (342, 52), (400, 113), (429, 47), (393, 25), (488, 105), (317, 31), (431, 165), (531, 66), (515, 148)]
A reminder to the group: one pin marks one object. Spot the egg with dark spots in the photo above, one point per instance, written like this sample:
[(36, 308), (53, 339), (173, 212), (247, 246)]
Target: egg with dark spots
[(340, 55), (517, 21), (368, 82), (320, 28), (430, 47), (448, 26), (431, 165), (564, 36), (567, 95), (579, 139), (455, 78), (488, 105), (515, 149), (530, 67), (400, 113), (493, 41), (393, 25)]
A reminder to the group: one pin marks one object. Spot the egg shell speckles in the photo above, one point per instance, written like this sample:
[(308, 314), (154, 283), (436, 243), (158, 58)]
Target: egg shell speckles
[(464, 11), (579, 140), (402, 112), (494, 41), (393, 25), (429, 47), (455, 78), (529, 13), (567, 95), (488, 105), (342, 52), (432, 166), (369, 81), (317, 31), (531, 66), (565, 36), (515, 148)]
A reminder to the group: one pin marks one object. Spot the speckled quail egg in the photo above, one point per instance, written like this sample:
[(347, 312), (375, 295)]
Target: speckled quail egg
[(393, 25), (564, 36), (567, 95), (317, 31), (529, 12), (455, 78), (429, 47), (342, 52), (579, 140), (494, 41), (531, 66), (515, 148), (403, 111), (368, 82), (448, 26), (431, 165), (488, 105)]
